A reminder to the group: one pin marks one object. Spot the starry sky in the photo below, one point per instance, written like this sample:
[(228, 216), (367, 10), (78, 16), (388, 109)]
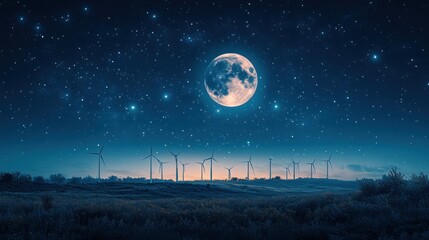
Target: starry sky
[(349, 79)]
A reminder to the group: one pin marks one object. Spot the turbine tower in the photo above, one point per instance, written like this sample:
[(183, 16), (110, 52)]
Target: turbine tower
[(249, 164), (312, 167), (229, 172), (202, 169), (211, 165), (161, 168), (297, 164), (287, 170), (270, 159), (177, 168), (183, 170), (100, 158), (150, 156), (328, 162)]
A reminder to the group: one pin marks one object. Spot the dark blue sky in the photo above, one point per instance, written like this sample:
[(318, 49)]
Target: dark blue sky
[(349, 79)]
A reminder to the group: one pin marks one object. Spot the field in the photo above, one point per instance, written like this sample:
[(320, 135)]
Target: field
[(260, 209)]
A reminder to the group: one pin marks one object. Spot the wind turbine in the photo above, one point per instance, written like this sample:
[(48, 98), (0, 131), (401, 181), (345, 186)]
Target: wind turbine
[(211, 165), (161, 168), (229, 172), (270, 159), (287, 170), (151, 155), (177, 168), (312, 167), (100, 158), (328, 162), (295, 163), (202, 169), (249, 163), (183, 170)]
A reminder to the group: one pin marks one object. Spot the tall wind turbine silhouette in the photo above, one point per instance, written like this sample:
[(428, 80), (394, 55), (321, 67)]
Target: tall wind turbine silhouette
[(249, 163), (150, 156), (297, 164), (100, 158), (312, 167), (270, 159), (287, 170), (183, 170), (161, 168), (211, 165), (177, 167), (328, 162), (229, 172), (202, 169)]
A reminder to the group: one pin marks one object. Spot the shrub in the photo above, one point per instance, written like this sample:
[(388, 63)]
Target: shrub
[(75, 180), (39, 179), (368, 187), (57, 178), (112, 179), (24, 178), (393, 183), (6, 178)]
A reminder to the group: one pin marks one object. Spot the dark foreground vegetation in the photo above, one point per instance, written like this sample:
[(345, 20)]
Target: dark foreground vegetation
[(390, 208)]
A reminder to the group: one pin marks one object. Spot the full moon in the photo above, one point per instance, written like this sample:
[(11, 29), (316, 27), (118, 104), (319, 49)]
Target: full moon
[(231, 80)]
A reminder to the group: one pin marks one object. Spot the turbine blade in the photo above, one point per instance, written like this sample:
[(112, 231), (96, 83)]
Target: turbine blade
[(252, 168), (331, 165), (102, 148), (215, 159), (156, 158), (171, 153), (101, 156), (93, 153), (178, 154), (203, 167), (146, 157)]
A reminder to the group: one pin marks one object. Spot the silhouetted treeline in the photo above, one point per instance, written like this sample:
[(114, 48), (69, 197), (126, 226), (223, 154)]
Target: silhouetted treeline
[(59, 178)]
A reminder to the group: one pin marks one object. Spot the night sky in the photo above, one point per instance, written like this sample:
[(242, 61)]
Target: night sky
[(349, 79)]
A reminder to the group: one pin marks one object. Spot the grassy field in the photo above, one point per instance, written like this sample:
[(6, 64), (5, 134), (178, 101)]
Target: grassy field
[(390, 208)]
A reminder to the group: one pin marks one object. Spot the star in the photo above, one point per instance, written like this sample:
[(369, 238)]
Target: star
[(375, 56)]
